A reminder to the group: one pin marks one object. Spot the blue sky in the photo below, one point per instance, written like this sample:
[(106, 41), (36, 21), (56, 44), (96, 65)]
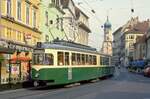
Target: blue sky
[(119, 13)]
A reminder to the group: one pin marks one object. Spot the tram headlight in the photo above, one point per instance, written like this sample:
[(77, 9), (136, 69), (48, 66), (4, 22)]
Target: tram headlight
[(37, 75)]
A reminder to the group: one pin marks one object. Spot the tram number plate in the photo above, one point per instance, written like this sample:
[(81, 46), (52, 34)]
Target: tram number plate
[(69, 73)]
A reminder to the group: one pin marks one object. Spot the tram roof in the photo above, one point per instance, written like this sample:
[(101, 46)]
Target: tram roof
[(67, 45)]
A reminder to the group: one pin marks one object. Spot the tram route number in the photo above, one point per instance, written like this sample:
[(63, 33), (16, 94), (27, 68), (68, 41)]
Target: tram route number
[(69, 73)]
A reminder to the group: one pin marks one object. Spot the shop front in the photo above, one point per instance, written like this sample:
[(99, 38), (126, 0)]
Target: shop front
[(5, 55), (15, 63)]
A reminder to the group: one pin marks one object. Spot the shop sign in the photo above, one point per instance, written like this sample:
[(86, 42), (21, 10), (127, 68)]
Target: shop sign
[(3, 44), (28, 36), (12, 46)]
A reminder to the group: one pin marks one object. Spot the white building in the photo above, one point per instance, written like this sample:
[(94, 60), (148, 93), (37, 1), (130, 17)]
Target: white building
[(70, 24), (116, 46), (83, 27)]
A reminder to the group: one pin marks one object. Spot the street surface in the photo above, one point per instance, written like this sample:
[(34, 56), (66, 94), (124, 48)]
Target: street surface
[(123, 85)]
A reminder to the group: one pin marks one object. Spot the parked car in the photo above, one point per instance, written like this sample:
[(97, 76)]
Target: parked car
[(147, 71)]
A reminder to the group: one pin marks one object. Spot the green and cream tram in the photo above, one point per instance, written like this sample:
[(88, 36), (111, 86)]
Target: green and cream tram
[(62, 62)]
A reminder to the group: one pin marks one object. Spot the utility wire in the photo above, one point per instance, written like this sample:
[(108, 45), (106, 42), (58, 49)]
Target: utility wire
[(92, 11)]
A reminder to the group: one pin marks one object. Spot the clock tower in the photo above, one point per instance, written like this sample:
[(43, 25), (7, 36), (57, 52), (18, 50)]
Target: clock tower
[(107, 43)]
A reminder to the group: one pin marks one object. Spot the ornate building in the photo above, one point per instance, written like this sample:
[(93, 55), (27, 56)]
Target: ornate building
[(107, 43)]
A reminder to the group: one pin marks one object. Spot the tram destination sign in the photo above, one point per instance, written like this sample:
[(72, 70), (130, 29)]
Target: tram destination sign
[(38, 50)]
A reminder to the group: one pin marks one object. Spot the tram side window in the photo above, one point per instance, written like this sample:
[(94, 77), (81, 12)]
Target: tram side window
[(90, 59), (60, 58), (78, 59), (73, 59), (66, 58), (101, 60), (86, 59), (94, 60), (83, 59), (38, 59), (106, 61), (49, 59)]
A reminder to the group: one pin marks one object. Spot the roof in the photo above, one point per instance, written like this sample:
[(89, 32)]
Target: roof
[(107, 24), (141, 39), (119, 29), (141, 27)]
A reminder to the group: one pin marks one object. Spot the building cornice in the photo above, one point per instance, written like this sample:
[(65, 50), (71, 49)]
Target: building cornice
[(16, 43), (11, 19)]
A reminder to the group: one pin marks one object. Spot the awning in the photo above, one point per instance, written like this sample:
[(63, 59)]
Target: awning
[(20, 59), (6, 50), (1, 58)]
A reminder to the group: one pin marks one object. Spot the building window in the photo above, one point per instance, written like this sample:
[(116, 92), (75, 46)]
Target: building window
[(19, 36), (9, 7), (46, 16), (46, 38), (8, 33), (131, 37), (131, 45), (19, 9), (27, 13), (56, 2), (34, 18)]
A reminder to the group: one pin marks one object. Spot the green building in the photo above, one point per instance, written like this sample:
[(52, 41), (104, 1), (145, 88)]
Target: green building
[(51, 20)]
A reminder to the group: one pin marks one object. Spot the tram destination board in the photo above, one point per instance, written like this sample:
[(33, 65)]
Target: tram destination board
[(39, 50)]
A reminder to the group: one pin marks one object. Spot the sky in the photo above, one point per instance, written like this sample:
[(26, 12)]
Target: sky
[(119, 12)]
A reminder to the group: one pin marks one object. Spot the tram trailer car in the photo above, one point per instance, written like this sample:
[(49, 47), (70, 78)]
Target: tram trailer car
[(62, 62)]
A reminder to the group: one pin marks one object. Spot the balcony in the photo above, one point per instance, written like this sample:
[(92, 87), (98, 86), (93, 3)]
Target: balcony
[(82, 25)]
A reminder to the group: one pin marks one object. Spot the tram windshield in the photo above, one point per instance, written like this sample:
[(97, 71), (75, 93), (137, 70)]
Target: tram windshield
[(43, 59)]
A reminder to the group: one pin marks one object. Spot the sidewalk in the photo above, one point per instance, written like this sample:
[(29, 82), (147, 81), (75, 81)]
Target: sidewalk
[(8, 87)]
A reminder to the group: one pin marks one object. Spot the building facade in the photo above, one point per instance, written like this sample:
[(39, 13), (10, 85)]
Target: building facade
[(83, 27), (70, 24), (18, 35), (51, 20), (148, 45), (116, 47), (129, 38), (140, 48), (107, 43)]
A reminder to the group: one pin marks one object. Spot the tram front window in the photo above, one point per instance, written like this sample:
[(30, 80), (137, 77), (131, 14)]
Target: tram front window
[(49, 59), (38, 59)]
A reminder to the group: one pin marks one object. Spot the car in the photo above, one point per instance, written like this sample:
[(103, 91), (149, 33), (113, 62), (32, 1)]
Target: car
[(147, 71)]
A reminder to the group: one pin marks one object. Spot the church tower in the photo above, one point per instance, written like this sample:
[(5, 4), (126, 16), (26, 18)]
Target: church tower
[(107, 43)]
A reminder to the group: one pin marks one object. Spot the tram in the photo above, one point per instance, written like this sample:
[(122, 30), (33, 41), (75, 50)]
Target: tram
[(64, 62)]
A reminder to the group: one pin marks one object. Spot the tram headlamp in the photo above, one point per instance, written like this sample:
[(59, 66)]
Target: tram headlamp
[(37, 75)]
